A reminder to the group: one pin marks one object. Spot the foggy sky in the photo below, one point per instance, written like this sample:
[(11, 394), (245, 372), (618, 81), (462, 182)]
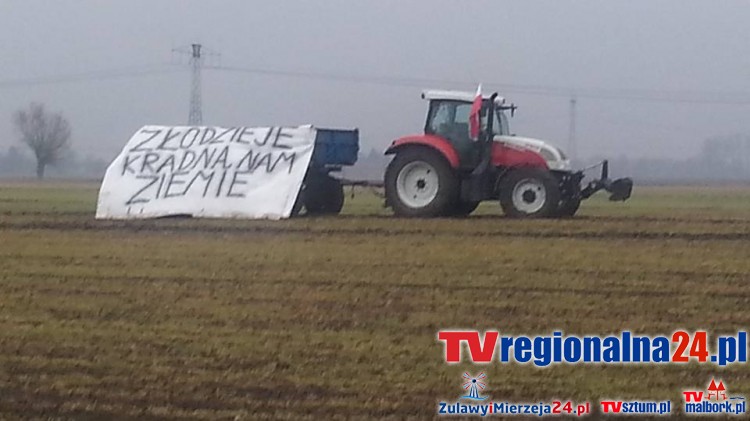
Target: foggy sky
[(669, 45)]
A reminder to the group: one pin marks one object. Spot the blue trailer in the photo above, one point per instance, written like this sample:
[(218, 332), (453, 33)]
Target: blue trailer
[(322, 193)]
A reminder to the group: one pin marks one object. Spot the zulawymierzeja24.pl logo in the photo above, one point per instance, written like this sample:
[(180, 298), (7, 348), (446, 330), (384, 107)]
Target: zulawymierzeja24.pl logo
[(473, 401)]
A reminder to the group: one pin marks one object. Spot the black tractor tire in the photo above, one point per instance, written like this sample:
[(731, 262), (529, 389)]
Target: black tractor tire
[(461, 208), (323, 195), (529, 192), (421, 160)]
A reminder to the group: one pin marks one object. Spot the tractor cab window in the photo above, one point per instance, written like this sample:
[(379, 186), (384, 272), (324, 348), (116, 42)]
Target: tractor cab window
[(439, 116), (501, 126), (462, 113), (449, 119)]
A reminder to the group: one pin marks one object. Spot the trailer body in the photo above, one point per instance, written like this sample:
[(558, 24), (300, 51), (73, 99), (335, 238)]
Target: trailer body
[(321, 193), (335, 148)]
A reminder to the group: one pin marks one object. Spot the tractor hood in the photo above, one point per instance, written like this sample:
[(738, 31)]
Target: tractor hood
[(556, 159)]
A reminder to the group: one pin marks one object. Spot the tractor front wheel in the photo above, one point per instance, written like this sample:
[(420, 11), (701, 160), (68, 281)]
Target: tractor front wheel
[(419, 182), (529, 192)]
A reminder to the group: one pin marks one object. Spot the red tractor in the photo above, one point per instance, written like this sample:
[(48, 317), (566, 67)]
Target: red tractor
[(444, 172)]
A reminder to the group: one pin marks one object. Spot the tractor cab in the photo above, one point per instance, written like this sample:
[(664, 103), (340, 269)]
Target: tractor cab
[(448, 117)]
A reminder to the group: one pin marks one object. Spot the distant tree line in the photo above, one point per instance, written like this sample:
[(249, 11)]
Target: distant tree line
[(721, 159), (47, 140), (15, 162)]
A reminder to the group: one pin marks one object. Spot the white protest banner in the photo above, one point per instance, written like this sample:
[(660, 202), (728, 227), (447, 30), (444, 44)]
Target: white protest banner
[(238, 172)]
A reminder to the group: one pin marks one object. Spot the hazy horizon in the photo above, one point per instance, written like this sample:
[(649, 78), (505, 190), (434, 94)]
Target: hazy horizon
[(652, 79)]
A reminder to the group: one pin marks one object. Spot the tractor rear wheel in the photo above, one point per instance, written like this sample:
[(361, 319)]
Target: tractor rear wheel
[(529, 192), (419, 182)]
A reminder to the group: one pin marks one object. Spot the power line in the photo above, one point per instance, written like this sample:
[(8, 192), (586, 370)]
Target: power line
[(99, 75), (683, 96), (691, 97)]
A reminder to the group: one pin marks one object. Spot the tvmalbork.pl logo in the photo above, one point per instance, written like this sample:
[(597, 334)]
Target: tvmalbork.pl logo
[(715, 400)]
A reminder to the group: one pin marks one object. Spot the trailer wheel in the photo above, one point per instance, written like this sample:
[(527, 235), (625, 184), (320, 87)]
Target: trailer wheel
[(463, 208), (529, 193), (323, 195), (419, 182)]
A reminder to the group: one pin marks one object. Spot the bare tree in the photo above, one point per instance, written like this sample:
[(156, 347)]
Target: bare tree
[(48, 135)]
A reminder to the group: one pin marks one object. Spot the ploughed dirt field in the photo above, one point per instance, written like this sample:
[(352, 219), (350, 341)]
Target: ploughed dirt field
[(337, 317)]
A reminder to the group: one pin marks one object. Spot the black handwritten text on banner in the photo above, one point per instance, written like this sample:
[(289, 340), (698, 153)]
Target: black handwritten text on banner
[(238, 172)]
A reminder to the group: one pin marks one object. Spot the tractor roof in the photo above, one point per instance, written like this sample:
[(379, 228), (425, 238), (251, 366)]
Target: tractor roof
[(457, 96)]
